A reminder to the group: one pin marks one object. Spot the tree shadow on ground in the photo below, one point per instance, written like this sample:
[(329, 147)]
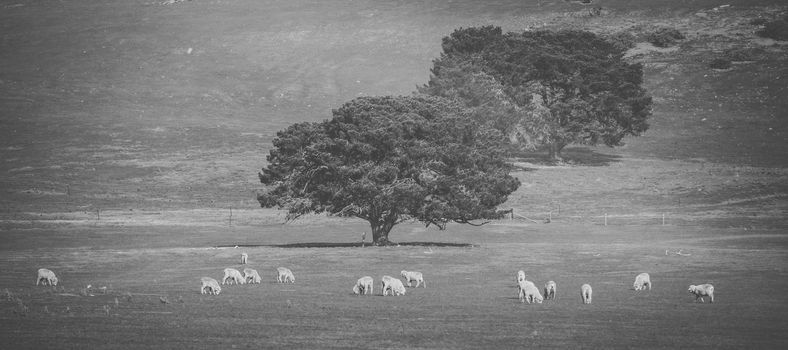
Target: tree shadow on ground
[(346, 245), (571, 156)]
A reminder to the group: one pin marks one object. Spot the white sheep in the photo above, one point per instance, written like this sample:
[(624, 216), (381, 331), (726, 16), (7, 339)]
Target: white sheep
[(233, 275), (413, 276), (702, 290), (251, 276), (284, 275), (211, 285), (585, 293), (520, 276), (364, 285), (641, 281), (47, 276), (244, 257), (550, 289), (528, 292), (392, 284)]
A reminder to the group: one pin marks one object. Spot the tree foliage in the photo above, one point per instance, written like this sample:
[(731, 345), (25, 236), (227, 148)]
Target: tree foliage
[(387, 160), (543, 89)]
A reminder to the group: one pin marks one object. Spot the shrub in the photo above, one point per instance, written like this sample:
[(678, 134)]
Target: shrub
[(777, 30), (720, 63), (758, 21), (622, 40), (664, 37), (744, 54)]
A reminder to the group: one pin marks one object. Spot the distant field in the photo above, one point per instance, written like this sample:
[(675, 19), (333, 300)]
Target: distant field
[(105, 106), (131, 134)]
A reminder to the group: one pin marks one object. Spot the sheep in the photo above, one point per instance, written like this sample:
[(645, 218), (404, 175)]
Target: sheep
[(550, 289), (520, 276), (211, 285), (413, 276), (363, 285), (234, 275), (392, 284), (528, 292), (244, 257), (251, 276), (702, 290), (585, 293), (641, 281), (284, 275), (47, 276)]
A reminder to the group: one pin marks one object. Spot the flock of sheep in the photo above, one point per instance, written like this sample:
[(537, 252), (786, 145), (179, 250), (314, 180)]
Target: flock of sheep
[(233, 276), (527, 290), (364, 285), (529, 293)]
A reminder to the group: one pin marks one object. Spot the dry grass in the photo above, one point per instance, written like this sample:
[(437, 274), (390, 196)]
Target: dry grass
[(124, 153)]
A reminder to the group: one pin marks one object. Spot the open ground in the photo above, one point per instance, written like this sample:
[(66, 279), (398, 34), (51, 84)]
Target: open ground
[(131, 134)]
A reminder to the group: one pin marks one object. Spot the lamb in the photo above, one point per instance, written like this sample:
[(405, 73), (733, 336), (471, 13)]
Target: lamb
[(363, 285), (284, 275), (550, 289), (413, 276), (520, 276), (244, 257), (641, 281), (47, 276), (528, 292), (702, 290), (234, 275), (392, 284), (211, 285), (585, 293), (251, 276)]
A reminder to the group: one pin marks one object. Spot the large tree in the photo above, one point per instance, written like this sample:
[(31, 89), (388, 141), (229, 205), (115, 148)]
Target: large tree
[(387, 160), (543, 89)]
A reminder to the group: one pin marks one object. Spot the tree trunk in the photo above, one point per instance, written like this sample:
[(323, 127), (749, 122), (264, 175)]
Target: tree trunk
[(380, 234), (555, 151)]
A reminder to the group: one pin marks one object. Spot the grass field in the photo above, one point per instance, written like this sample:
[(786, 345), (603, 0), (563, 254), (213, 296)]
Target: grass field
[(131, 134)]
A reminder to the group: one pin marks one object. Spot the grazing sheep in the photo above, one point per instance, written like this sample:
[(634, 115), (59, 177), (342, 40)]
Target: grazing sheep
[(211, 285), (284, 275), (520, 276), (702, 290), (363, 285), (244, 257), (528, 292), (413, 276), (641, 281), (234, 275), (392, 284), (585, 293), (47, 276), (550, 289), (251, 276)]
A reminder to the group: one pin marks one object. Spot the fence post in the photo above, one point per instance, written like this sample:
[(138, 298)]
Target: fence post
[(605, 219)]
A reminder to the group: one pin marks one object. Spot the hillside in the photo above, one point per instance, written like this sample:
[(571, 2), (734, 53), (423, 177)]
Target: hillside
[(119, 105)]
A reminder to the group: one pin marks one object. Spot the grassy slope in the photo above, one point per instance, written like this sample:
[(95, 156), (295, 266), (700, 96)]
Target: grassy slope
[(104, 108)]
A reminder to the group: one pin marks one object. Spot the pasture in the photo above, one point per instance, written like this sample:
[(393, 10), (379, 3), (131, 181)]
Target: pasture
[(131, 134), (470, 302)]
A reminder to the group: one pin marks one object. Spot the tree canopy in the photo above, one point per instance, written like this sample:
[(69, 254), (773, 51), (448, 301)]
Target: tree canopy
[(543, 89), (387, 160)]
